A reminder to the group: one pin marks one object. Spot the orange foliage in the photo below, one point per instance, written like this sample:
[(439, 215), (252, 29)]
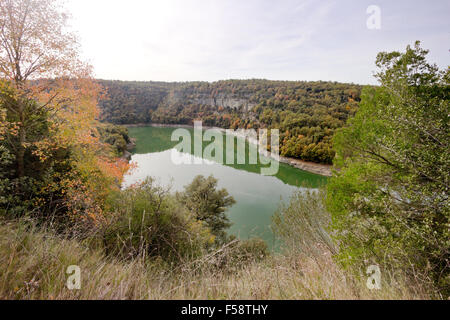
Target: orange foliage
[(42, 63), (113, 168)]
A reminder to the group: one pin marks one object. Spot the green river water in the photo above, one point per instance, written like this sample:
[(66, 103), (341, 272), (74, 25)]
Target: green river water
[(257, 196)]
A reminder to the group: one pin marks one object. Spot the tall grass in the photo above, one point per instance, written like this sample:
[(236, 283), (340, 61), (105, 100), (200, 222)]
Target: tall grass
[(33, 263)]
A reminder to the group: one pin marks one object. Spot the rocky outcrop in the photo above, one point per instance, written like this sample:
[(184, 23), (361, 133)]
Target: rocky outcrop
[(226, 101)]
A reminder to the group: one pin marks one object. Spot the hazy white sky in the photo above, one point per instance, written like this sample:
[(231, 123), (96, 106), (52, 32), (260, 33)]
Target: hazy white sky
[(184, 40)]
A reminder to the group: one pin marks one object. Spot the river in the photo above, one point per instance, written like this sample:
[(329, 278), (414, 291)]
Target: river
[(257, 196)]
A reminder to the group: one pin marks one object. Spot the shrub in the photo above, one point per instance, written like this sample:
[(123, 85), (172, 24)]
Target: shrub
[(303, 224), (254, 249), (149, 222), (209, 205)]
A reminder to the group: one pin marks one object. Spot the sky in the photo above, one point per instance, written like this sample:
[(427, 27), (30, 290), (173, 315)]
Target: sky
[(210, 40)]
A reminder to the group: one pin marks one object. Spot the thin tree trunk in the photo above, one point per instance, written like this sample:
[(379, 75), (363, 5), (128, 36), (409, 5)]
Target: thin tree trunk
[(21, 147)]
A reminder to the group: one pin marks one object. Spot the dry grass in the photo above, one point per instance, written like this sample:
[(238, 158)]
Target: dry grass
[(33, 265)]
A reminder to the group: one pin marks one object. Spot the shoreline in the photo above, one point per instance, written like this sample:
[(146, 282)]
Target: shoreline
[(312, 167)]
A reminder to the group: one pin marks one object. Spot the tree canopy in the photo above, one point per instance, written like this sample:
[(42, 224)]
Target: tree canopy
[(53, 160), (390, 198)]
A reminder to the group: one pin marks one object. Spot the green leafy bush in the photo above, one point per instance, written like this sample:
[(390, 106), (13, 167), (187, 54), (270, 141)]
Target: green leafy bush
[(208, 204), (149, 222)]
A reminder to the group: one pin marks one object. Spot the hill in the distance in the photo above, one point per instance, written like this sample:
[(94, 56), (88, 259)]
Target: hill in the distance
[(307, 113)]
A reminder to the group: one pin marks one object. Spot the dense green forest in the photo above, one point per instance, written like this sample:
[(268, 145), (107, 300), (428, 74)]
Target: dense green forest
[(307, 113)]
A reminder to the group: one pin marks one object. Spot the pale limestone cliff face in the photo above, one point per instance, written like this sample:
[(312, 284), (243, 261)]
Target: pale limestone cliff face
[(226, 102), (220, 100)]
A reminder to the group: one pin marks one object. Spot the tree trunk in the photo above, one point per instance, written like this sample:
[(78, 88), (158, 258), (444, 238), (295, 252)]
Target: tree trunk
[(21, 155), (21, 146)]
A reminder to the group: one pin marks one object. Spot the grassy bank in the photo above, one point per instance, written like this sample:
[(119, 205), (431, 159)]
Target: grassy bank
[(33, 265)]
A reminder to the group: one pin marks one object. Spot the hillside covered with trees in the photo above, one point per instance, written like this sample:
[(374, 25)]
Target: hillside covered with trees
[(307, 113)]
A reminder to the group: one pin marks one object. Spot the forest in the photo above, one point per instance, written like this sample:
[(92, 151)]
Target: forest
[(307, 113)]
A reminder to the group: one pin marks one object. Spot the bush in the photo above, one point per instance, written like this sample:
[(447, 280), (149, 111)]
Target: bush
[(32, 171), (303, 224), (114, 135), (149, 222), (254, 249), (208, 204)]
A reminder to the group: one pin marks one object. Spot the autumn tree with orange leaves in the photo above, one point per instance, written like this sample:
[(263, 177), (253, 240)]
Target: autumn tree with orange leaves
[(48, 111)]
